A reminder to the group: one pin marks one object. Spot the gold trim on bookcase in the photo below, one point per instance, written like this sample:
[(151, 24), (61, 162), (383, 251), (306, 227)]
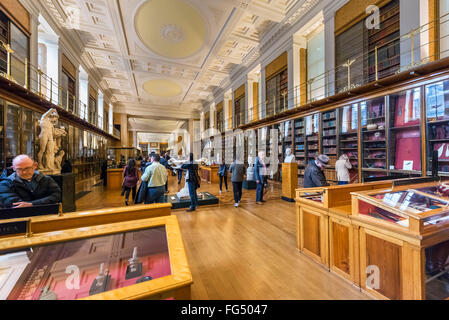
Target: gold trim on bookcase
[(240, 92), (255, 101), (434, 30), (303, 76), (276, 66), (230, 114), (17, 14), (353, 12), (68, 66)]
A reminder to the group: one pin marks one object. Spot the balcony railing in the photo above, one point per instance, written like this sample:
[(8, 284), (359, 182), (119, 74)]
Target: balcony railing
[(343, 78), (21, 72)]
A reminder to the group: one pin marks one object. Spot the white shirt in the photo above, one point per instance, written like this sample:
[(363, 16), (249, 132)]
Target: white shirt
[(342, 166)]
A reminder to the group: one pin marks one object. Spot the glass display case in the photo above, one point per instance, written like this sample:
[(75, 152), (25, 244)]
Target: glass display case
[(300, 152), (374, 153), (349, 137), (404, 147), (415, 208), (437, 116), (312, 136), (2, 134), (12, 133), (313, 196), (404, 232), (329, 133), (329, 147), (144, 256)]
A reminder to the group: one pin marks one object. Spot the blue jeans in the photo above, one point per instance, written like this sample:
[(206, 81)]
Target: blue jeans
[(259, 191), (340, 183), (193, 195), (156, 195), (179, 175)]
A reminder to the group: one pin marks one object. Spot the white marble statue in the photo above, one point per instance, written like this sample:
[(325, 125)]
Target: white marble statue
[(50, 156), (289, 158)]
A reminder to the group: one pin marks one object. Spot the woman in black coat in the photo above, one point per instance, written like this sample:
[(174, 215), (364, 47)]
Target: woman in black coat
[(193, 182)]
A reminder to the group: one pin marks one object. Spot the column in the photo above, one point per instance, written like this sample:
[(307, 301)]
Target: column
[(409, 21), (34, 50), (202, 129), (295, 87), (227, 111), (249, 99), (212, 115), (263, 93), (111, 119), (329, 51)]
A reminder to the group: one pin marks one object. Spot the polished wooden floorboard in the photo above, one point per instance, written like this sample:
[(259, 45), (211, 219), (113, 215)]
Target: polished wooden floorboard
[(242, 253)]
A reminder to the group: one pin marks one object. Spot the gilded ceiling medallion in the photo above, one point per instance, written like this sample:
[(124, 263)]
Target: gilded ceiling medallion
[(172, 33), (172, 29)]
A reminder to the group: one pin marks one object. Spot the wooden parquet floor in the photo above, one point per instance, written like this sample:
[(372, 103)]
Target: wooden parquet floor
[(242, 253)]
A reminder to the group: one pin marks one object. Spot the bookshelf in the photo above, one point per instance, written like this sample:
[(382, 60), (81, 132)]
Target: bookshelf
[(299, 151), (349, 137)]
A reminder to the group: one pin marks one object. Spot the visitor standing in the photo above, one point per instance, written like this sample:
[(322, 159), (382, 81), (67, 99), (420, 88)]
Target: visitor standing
[(342, 167), (130, 179), (193, 181), (223, 175), (314, 175), (237, 171), (260, 173), (156, 177)]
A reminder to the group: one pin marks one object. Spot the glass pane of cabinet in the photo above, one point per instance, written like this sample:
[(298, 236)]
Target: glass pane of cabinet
[(312, 136), (405, 132), (2, 135), (27, 138), (374, 161), (437, 117), (329, 137), (12, 134), (349, 137)]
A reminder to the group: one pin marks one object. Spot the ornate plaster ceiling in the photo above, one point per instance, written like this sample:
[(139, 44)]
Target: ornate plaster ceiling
[(162, 88), (196, 44), (172, 29)]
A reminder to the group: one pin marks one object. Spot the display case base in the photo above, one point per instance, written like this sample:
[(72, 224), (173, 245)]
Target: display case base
[(249, 185), (288, 199), (66, 182), (178, 203)]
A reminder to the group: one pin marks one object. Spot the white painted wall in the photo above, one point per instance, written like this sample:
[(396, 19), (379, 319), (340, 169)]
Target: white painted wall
[(444, 28)]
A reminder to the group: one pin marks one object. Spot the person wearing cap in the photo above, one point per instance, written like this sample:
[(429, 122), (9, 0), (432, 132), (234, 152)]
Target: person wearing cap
[(314, 175), (342, 167)]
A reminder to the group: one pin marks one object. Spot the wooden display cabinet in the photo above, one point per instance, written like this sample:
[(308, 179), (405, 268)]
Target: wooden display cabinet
[(396, 228), (131, 260), (114, 179), (209, 174), (324, 229), (289, 181)]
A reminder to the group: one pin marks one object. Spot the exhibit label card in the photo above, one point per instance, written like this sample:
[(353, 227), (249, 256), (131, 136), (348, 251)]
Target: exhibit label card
[(408, 165)]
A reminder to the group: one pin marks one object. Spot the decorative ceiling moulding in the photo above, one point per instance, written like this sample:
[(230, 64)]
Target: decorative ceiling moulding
[(277, 39), (172, 33)]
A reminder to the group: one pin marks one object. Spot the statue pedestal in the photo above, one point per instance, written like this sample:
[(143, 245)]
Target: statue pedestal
[(289, 181), (66, 182)]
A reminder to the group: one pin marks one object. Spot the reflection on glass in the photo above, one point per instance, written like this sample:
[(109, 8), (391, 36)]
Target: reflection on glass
[(405, 131), (72, 270), (27, 139), (437, 112), (12, 134)]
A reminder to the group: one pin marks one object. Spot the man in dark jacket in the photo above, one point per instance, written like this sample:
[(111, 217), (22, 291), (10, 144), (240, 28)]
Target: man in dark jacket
[(314, 176), (237, 170), (27, 187)]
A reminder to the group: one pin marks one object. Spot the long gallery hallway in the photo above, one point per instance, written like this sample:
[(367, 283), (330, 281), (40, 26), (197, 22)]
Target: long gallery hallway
[(241, 253)]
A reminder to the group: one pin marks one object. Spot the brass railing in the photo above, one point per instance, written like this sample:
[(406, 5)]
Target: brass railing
[(326, 84), (21, 72)]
